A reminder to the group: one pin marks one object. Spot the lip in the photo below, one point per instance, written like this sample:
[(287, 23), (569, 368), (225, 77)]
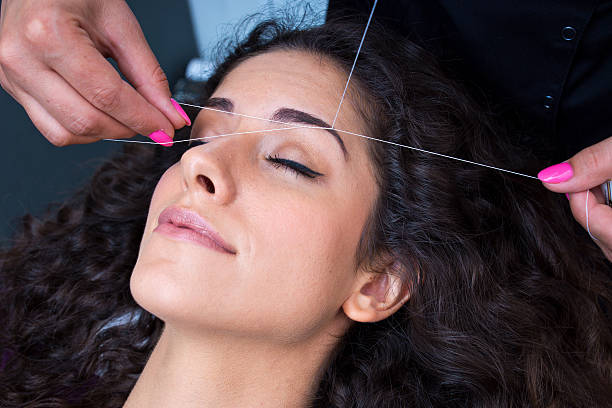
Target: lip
[(188, 225)]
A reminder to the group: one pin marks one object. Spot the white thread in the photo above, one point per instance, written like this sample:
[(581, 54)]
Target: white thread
[(371, 138), (437, 154), (322, 128), (354, 63), (221, 135), (333, 123)]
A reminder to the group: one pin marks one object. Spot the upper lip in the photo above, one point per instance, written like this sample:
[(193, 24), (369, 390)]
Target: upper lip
[(183, 217)]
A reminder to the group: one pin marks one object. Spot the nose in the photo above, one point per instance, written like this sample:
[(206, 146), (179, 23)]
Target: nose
[(206, 174)]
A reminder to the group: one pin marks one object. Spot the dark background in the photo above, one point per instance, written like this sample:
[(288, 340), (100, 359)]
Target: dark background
[(33, 172)]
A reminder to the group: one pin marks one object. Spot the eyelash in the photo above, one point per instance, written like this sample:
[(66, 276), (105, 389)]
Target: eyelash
[(297, 168)]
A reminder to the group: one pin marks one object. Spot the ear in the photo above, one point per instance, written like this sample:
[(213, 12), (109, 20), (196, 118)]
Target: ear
[(376, 295)]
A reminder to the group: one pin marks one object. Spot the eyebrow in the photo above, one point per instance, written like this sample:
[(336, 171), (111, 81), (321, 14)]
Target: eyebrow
[(284, 115), (223, 104)]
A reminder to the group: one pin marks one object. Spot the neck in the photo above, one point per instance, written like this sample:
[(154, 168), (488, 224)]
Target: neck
[(188, 370)]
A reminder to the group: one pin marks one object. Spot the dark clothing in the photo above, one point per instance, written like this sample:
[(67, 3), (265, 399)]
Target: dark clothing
[(550, 60)]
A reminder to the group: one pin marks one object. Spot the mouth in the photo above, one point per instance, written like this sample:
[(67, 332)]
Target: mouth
[(183, 224)]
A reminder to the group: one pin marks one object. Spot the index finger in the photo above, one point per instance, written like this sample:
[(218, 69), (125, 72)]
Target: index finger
[(92, 76), (588, 168)]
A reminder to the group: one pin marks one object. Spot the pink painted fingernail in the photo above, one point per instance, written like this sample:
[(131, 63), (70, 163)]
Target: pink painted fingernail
[(567, 196), (556, 174), (161, 137), (181, 111)]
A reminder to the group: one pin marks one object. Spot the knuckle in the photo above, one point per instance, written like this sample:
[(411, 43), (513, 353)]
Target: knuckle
[(41, 29), (138, 123), (159, 76), (106, 99), (592, 158), (82, 126)]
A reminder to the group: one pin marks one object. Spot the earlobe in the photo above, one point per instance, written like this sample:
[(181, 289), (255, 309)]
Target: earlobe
[(376, 297)]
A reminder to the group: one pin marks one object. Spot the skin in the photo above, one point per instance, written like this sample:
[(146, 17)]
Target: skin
[(256, 327)]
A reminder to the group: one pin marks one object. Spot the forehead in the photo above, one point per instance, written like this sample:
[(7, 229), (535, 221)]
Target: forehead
[(290, 78)]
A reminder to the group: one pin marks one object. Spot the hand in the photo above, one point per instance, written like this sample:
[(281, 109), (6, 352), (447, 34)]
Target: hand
[(587, 170), (53, 62)]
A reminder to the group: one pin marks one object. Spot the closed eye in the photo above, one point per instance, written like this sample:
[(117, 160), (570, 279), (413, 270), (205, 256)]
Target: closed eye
[(291, 165)]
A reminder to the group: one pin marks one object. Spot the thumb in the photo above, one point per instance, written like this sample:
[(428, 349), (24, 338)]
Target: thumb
[(138, 64), (587, 169)]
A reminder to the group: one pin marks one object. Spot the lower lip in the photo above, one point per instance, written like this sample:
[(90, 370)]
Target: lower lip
[(186, 234)]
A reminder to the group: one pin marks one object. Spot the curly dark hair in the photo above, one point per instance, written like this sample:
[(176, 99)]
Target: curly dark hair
[(509, 300)]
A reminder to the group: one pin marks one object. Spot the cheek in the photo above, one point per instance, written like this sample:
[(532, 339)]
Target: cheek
[(303, 259), (309, 232)]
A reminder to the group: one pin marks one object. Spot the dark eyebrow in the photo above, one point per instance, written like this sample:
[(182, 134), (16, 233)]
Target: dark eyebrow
[(223, 104), (283, 115), (296, 116)]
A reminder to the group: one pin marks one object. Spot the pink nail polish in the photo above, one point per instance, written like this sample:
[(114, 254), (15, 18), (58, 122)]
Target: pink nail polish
[(181, 111), (567, 196), (556, 174), (161, 137)]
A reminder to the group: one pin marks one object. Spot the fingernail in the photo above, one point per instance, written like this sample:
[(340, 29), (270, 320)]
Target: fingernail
[(161, 137), (181, 111), (556, 174), (567, 196)]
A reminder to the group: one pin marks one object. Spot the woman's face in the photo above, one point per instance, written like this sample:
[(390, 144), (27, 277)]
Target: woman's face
[(293, 238)]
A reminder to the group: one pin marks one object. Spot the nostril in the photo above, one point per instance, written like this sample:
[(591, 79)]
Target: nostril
[(205, 181)]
